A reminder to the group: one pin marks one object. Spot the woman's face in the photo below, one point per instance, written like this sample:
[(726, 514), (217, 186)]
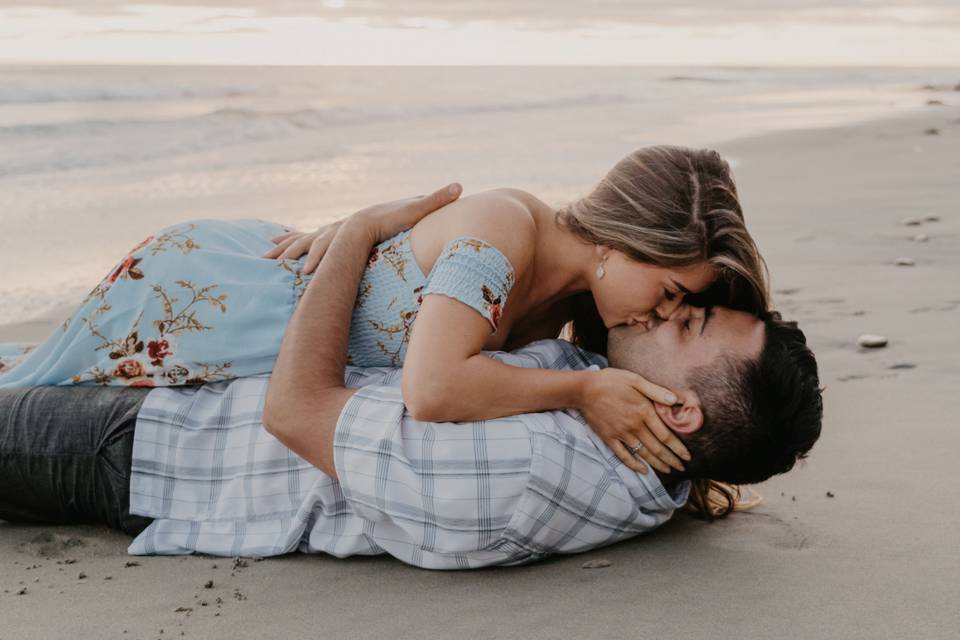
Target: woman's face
[(630, 291)]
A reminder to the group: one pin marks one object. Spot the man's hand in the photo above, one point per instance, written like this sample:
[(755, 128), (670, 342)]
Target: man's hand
[(383, 220), (387, 219), (293, 244)]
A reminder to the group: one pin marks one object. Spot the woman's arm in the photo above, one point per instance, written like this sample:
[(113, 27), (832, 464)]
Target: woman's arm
[(446, 379)]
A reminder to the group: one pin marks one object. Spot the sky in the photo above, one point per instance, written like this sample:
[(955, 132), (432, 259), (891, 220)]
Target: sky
[(487, 32)]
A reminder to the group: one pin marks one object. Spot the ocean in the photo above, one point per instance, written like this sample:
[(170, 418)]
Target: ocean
[(94, 158)]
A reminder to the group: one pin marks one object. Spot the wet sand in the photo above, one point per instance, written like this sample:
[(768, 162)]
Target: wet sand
[(859, 542)]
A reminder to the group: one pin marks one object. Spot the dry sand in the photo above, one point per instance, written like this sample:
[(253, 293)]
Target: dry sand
[(878, 559)]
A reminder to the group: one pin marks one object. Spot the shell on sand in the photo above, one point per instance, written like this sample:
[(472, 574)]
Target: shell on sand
[(920, 237), (904, 262), (871, 341)]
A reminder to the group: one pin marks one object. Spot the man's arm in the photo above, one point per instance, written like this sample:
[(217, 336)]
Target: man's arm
[(307, 392)]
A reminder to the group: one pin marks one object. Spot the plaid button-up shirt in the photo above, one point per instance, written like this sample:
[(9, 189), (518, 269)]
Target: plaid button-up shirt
[(434, 495)]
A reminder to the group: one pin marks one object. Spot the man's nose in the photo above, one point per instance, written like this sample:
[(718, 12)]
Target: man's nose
[(682, 312), (667, 308)]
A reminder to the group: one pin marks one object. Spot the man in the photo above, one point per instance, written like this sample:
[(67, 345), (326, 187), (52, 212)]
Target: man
[(344, 469)]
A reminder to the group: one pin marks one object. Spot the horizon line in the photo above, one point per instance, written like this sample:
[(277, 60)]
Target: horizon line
[(846, 65)]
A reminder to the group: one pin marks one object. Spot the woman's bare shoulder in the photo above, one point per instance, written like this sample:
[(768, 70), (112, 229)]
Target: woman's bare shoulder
[(502, 217), (502, 208)]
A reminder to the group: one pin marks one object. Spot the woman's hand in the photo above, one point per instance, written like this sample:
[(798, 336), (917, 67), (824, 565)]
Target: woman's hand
[(381, 221), (619, 407)]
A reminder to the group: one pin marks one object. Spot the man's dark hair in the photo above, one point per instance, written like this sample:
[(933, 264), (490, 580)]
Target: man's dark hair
[(760, 416)]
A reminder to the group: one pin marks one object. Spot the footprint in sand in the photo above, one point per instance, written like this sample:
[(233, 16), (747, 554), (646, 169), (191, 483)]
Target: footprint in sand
[(52, 545), (753, 528), (852, 376)]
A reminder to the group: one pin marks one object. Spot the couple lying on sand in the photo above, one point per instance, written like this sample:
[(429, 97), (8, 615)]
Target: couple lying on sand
[(181, 417)]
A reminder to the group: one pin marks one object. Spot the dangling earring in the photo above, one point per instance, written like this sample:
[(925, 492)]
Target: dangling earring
[(600, 271)]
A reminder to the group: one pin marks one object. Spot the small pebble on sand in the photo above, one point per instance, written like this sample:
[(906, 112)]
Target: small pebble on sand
[(830, 494), (935, 103), (871, 341), (208, 584), (920, 237), (596, 564), (932, 131), (904, 262), (913, 222), (931, 219)]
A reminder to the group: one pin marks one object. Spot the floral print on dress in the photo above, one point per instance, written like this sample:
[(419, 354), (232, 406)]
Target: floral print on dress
[(142, 362), (394, 256), (132, 327), (493, 305), (300, 280), (14, 355), (398, 335), (128, 267)]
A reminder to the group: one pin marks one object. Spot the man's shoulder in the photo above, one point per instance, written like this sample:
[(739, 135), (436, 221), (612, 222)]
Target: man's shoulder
[(552, 353)]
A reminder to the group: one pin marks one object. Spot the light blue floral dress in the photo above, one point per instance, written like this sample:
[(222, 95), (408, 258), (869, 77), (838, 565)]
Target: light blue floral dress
[(196, 303)]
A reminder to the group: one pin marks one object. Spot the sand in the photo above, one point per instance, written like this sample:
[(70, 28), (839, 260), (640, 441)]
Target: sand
[(859, 542)]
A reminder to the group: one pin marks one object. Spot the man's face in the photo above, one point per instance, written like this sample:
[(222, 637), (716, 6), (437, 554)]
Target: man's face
[(667, 351)]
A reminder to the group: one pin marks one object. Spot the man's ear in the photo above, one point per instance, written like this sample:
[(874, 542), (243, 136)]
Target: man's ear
[(685, 417)]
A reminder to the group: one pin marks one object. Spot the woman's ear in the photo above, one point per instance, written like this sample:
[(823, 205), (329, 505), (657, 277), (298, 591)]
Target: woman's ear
[(685, 417), (602, 251)]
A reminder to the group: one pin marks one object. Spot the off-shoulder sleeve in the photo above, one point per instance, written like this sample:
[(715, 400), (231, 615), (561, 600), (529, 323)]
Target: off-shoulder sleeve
[(475, 273)]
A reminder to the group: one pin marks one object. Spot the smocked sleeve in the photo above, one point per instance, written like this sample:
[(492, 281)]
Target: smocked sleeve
[(475, 273)]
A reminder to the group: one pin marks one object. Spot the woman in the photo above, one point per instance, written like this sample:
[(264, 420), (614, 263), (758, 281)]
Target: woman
[(497, 270)]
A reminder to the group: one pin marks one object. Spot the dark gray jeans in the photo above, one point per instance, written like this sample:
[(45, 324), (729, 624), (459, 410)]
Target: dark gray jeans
[(65, 455)]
